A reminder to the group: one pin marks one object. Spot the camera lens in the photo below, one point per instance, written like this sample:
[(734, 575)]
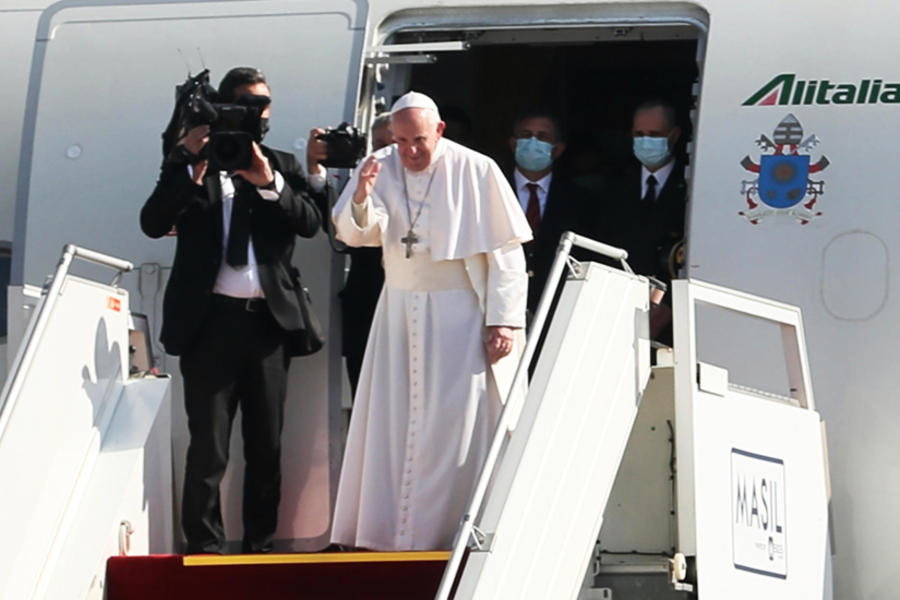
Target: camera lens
[(230, 150), (227, 149)]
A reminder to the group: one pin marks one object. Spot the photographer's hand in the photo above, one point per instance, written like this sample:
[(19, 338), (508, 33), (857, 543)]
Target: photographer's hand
[(196, 139), (316, 150), (198, 172), (260, 172)]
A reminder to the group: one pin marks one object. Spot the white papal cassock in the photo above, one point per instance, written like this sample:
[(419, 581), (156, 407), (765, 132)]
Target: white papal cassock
[(427, 401)]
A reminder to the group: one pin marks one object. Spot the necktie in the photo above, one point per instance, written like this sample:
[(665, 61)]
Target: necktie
[(533, 212), (650, 197), (239, 230)]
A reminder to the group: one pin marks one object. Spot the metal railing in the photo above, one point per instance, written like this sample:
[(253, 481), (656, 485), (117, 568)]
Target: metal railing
[(31, 341), (468, 529)]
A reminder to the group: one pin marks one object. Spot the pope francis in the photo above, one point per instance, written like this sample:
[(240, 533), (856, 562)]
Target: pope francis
[(447, 334)]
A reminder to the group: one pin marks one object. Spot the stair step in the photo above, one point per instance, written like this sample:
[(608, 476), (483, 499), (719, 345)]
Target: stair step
[(331, 576)]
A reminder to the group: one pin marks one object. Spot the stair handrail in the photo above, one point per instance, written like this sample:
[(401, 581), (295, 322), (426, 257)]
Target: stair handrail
[(467, 527), (31, 341)]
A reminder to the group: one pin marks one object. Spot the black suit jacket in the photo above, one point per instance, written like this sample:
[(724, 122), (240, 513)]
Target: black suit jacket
[(360, 296), (196, 213), (649, 233), (561, 214), (361, 291)]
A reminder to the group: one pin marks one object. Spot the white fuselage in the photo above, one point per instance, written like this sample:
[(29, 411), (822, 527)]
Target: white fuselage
[(88, 89)]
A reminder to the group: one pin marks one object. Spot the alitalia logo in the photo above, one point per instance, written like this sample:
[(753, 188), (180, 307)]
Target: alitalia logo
[(787, 90)]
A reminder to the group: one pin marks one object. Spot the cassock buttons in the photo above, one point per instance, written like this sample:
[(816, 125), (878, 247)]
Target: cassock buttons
[(530, 273)]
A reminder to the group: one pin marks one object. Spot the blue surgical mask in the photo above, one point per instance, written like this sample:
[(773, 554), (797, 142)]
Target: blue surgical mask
[(532, 154), (652, 151)]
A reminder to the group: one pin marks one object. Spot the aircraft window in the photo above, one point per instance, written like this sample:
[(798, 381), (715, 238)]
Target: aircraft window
[(5, 263), (592, 86)]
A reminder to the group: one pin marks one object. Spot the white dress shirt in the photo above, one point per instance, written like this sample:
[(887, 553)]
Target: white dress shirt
[(524, 193), (240, 282), (243, 282), (661, 174)]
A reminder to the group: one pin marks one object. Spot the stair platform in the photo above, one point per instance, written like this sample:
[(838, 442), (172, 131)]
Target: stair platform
[(331, 576)]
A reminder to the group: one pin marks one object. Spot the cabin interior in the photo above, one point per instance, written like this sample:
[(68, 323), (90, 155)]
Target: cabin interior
[(590, 78)]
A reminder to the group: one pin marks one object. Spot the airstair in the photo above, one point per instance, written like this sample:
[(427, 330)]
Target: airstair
[(696, 487), (84, 448), (743, 486)]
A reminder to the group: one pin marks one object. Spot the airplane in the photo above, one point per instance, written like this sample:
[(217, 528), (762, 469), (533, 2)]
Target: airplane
[(785, 107)]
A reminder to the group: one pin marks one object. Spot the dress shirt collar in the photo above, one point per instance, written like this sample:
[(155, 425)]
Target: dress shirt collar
[(521, 181), (661, 174), (523, 193)]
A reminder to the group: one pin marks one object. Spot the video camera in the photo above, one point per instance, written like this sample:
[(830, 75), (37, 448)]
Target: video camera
[(233, 126), (346, 145)]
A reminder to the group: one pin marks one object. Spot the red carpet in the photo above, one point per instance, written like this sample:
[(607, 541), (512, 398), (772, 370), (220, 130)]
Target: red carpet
[(338, 576)]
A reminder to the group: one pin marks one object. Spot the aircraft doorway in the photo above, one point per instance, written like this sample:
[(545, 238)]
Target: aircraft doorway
[(590, 78)]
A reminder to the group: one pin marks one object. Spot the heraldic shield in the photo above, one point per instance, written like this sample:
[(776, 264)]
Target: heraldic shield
[(783, 179)]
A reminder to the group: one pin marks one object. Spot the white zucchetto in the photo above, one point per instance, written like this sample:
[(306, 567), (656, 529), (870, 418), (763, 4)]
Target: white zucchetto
[(414, 100)]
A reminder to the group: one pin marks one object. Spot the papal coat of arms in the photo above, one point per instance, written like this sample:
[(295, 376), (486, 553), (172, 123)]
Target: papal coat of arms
[(783, 185)]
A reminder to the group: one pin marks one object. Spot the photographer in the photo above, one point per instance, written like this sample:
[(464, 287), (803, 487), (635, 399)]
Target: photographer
[(365, 277), (232, 308)]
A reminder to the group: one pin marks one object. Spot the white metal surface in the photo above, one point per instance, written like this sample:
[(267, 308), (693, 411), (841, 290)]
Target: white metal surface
[(752, 503), (639, 515), (21, 302), (542, 510), (131, 481), (54, 429), (81, 447), (14, 387)]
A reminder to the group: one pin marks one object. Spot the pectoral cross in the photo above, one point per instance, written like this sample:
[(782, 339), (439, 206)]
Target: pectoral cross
[(409, 239)]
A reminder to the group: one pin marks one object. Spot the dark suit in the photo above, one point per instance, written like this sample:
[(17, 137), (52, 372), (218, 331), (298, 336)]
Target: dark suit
[(232, 352), (560, 214), (358, 299), (649, 232)]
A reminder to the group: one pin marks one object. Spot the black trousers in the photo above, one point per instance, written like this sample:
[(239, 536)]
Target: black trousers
[(239, 359)]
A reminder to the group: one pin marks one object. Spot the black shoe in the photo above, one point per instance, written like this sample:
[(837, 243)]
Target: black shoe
[(204, 549), (250, 548)]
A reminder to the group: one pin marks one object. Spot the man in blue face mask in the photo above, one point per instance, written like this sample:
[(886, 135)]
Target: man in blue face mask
[(642, 208), (537, 142), (654, 133)]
